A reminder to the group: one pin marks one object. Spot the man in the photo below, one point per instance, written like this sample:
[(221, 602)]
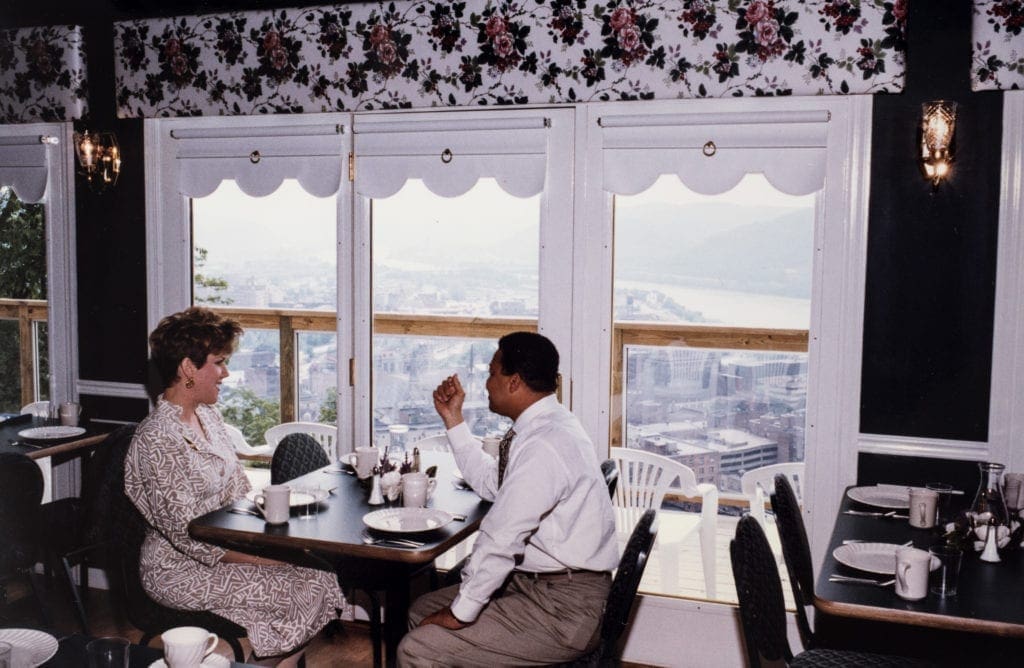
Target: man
[(533, 591)]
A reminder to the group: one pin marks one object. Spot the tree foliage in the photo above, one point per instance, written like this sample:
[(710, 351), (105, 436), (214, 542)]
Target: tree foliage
[(329, 409), (208, 289), (22, 248), (251, 413)]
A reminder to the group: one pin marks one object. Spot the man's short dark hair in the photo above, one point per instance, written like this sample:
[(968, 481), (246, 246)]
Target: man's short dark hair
[(533, 357)]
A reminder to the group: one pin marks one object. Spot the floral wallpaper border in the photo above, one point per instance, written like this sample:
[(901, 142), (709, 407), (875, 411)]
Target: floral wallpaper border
[(425, 53), (998, 45), (42, 74)]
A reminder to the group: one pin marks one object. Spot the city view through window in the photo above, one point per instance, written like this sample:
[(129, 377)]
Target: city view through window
[(439, 265)]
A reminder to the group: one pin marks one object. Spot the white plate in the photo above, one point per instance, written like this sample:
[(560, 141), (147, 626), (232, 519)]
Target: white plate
[(298, 497), (211, 661), (406, 520), (892, 497), (871, 557), (50, 433), (31, 647)]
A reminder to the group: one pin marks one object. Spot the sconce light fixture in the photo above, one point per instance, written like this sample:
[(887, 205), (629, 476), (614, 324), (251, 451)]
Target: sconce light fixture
[(99, 158), (938, 122)]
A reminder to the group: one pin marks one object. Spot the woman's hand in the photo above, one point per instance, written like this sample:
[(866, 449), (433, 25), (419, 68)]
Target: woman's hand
[(448, 399)]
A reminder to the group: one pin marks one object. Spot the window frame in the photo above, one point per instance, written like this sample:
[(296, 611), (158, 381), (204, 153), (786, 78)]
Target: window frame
[(61, 273)]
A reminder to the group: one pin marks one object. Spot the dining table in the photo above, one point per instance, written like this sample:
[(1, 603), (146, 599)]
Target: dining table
[(988, 602), (337, 535), (50, 443)]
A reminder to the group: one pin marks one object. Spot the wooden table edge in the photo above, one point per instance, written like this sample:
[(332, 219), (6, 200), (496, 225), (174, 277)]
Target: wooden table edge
[(70, 446), (925, 619)]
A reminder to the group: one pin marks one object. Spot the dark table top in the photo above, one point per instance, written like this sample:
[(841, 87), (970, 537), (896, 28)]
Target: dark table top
[(337, 529), (990, 597), (71, 654), (95, 432)]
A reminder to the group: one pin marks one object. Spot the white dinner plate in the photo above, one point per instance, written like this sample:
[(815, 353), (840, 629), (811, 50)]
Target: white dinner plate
[(212, 661), (50, 433), (30, 647), (891, 497), (871, 557), (407, 520), (298, 497)]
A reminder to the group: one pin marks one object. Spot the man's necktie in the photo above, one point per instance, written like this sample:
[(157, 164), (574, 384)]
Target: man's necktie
[(503, 447)]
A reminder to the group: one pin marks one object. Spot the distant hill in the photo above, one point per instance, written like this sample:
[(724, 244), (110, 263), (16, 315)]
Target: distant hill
[(713, 245)]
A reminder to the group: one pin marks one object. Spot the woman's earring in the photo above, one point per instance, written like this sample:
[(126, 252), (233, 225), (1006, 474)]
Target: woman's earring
[(190, 382)]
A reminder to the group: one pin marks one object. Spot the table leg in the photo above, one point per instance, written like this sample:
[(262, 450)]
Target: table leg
[(396, 616)]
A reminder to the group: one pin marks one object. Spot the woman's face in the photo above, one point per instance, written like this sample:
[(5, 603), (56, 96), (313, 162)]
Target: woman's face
[(209, 376)]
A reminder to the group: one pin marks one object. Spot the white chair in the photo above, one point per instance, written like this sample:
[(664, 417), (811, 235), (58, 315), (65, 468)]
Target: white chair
[(438, 443), (325, 434), (37, 408), (260, 453), (758, 485), (644, 480)]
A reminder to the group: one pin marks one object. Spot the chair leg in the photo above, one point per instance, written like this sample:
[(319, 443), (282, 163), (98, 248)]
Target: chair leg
[(375, 628), (44, 615), (75, 596)]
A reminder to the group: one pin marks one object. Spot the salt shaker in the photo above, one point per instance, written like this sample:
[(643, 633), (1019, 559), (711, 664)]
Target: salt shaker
[(376, 496)]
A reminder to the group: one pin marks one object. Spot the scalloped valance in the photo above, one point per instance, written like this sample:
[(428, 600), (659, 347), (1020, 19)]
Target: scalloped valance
[(998, 40), (422, 53), (42, 74)]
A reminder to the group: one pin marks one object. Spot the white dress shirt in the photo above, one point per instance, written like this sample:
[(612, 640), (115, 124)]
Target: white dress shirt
[(552, 513)]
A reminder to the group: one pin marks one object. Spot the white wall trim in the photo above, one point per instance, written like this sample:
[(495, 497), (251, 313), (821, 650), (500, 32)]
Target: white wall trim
[(104, 388), (1006, 405), (908, 446)]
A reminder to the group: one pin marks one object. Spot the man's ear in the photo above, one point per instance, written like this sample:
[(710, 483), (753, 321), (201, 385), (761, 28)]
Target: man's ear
[(515, 382)]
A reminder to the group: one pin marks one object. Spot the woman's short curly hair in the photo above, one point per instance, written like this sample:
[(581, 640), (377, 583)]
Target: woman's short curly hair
[(194, 333)]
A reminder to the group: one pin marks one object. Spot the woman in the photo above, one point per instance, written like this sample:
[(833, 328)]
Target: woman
[(181, 465)]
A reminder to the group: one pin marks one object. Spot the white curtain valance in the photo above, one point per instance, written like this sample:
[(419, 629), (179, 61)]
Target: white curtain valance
[(711, 153), (450, 156), (259, 159), (23, 166)]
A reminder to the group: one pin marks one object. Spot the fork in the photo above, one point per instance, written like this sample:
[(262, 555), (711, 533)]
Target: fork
[(846, 579), (401, 542)]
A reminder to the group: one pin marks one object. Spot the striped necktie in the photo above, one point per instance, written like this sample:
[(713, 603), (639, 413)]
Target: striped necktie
[(503, 447)]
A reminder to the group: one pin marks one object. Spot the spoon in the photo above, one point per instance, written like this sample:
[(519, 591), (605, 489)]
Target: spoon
[(844, 579)]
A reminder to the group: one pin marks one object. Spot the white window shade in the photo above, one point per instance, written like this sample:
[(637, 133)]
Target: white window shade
[(259, 159), (23, 166), (450, 156), (711, 153)]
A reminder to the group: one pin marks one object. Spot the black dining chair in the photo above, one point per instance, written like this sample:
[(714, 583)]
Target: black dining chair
[(763, 611), (127, 532), (296, 455), (620, 599), (78, 528), (22, 485), (611, 475), (796, 552)]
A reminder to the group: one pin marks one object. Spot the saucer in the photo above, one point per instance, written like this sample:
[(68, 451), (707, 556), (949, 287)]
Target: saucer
[(211, 661)]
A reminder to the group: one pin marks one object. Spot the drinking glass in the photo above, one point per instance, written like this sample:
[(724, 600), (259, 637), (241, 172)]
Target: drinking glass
[(108, 653), (944, 579), (945, 501), (308, 511)]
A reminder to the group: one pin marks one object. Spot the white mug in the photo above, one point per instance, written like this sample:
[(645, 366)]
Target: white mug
[(416, 489), (69, 412), (187, 646), (363, 460), (274, 503), (490, 445), (924, 504), (912, 569)]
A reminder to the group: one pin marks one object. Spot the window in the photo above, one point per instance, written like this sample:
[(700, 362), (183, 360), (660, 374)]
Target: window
[(36, 266)]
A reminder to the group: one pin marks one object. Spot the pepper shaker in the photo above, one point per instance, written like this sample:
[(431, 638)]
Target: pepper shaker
[(376, 496)]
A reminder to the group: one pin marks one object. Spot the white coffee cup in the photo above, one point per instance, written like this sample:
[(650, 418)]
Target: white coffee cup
[(363, 460), (187, 646), (274, 503), (490, 445), (416, 489), (924, 504), (912, 569), (69, 412)]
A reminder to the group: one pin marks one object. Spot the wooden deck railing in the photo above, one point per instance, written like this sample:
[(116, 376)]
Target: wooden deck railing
[(28, 313)]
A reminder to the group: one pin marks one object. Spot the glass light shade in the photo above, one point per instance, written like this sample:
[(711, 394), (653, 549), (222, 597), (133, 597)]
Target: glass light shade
[(938, 123), (99, 158)]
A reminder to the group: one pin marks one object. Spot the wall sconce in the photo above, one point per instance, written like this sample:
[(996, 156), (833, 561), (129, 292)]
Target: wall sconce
[(99, 158), (938, 122)]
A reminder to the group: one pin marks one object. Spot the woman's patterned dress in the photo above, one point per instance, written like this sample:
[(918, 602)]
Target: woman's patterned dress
[(174, 475)]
